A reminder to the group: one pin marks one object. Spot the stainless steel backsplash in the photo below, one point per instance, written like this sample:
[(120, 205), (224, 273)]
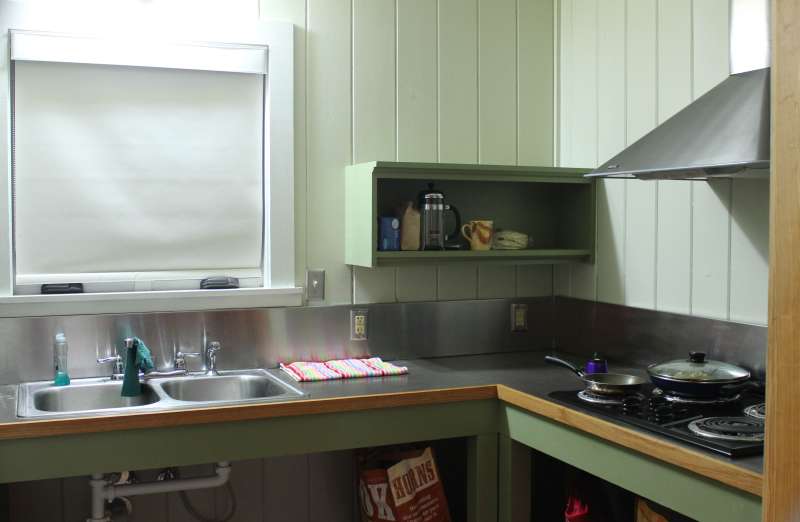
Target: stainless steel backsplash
[(641, 337), (262, 338)]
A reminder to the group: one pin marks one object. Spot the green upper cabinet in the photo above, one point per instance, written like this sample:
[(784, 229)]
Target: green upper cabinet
[(554, 206)]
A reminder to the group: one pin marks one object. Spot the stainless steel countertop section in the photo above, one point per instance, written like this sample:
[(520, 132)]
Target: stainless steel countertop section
[(523, 371)]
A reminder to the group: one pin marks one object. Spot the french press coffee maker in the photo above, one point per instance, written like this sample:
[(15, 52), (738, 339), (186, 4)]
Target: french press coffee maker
[(432, 209)]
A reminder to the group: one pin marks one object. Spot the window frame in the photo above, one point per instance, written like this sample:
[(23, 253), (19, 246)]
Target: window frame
[(279, 286)]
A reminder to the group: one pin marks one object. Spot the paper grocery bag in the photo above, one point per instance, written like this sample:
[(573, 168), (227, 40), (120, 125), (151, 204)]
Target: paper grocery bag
[(408, 491)]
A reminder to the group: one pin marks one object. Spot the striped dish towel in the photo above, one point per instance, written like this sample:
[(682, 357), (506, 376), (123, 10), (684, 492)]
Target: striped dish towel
[(310, 371), (351, 368), (341, 369), (384, 367)]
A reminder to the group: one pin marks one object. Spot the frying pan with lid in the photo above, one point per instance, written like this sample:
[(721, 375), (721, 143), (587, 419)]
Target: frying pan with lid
[(699, 377), (602, 383)]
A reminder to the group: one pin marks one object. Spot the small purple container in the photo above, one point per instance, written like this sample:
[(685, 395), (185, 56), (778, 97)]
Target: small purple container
[(596, 364)]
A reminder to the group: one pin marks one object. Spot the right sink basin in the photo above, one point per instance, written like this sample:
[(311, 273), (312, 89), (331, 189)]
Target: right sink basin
[(227, 387)]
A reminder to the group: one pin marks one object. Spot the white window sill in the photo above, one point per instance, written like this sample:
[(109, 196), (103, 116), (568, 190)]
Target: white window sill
[(143, 302)]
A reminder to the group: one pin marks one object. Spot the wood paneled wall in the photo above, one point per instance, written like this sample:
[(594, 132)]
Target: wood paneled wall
[(782, 455), (415, 80), (696, 247)]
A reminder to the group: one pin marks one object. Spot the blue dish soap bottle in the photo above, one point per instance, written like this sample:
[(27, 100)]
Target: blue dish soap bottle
[(61, 360)]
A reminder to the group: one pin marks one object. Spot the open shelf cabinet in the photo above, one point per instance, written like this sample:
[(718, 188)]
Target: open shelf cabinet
[(555, 206)]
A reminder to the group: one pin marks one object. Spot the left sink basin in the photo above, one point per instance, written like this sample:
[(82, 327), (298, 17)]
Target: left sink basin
[(88, 396)]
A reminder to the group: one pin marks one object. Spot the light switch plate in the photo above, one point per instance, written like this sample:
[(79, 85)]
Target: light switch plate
[(519, 317), (358, 325), (315, 284)]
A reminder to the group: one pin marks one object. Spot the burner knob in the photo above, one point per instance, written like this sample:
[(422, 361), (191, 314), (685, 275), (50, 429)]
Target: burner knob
[(632, 400), (661, 413), (632, 405)]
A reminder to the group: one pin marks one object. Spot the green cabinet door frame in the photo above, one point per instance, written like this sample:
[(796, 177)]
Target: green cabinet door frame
[(685, 492)]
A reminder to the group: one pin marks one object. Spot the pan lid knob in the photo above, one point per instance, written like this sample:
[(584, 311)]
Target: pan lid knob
[(697, 357)]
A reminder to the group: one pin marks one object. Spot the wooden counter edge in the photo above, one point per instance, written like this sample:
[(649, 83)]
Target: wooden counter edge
[(660, 449), (240, 412)]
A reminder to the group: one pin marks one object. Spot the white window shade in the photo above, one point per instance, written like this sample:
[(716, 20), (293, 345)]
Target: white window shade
[(136, 176)]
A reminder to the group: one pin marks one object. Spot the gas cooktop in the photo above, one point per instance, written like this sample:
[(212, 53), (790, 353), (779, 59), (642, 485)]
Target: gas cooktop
[(732, 426)]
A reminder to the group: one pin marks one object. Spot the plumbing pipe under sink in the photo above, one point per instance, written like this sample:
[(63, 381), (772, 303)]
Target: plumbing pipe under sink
[(103, 492)]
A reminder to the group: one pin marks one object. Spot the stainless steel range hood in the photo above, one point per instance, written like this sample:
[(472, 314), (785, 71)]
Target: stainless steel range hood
[(725, 132)]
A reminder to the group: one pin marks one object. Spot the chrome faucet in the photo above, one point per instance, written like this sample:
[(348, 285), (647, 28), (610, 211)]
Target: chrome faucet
[(211, 357), (180, 359), (209, 360), (179, 367), (118, 369), (118, 372)]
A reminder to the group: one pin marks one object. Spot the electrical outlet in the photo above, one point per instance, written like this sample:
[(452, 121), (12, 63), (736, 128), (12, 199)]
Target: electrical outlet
[(315, 284), (358, 325), (519, 317)]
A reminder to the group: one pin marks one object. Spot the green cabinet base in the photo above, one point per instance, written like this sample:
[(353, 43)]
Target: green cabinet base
[(692, 495), (490, 425)]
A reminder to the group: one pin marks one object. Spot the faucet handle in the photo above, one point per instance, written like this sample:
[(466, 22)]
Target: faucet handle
[(211, 357), (119, 368), (180, 359)]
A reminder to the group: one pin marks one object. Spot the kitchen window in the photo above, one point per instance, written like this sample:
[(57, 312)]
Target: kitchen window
[(140, 168)]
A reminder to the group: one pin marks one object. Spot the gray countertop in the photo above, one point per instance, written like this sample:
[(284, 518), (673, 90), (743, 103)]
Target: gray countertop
[(523, 371)]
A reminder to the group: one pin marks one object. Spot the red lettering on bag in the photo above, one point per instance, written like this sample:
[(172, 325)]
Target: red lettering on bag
[(408, 491)]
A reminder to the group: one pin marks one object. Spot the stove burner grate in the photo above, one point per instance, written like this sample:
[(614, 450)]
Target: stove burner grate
[(757, 411), (722, 400), (728, 428), (597, 398)]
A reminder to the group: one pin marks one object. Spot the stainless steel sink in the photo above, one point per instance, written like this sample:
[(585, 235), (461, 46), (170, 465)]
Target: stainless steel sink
[(90, 397), (95, 395), (102, 396), (224, 388)]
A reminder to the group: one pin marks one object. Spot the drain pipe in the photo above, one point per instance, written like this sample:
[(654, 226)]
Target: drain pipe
[(103, 492)]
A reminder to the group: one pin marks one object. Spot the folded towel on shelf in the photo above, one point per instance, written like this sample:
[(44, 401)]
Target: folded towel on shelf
[(302, 371)]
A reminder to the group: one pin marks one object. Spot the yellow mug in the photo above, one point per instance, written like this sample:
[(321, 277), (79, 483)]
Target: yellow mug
[(479, 234)]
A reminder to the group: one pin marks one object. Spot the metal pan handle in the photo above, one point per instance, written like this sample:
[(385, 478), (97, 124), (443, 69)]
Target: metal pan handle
[(552, 359), (751, 384)]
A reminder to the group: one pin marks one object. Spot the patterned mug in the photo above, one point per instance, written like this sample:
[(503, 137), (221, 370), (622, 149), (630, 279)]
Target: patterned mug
[(479, 234)]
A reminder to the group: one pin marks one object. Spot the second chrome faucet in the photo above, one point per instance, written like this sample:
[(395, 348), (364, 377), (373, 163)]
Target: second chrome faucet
[(209, 358)]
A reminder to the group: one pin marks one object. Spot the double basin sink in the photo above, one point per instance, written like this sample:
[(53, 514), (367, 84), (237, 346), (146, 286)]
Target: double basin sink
[(103, 396)]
